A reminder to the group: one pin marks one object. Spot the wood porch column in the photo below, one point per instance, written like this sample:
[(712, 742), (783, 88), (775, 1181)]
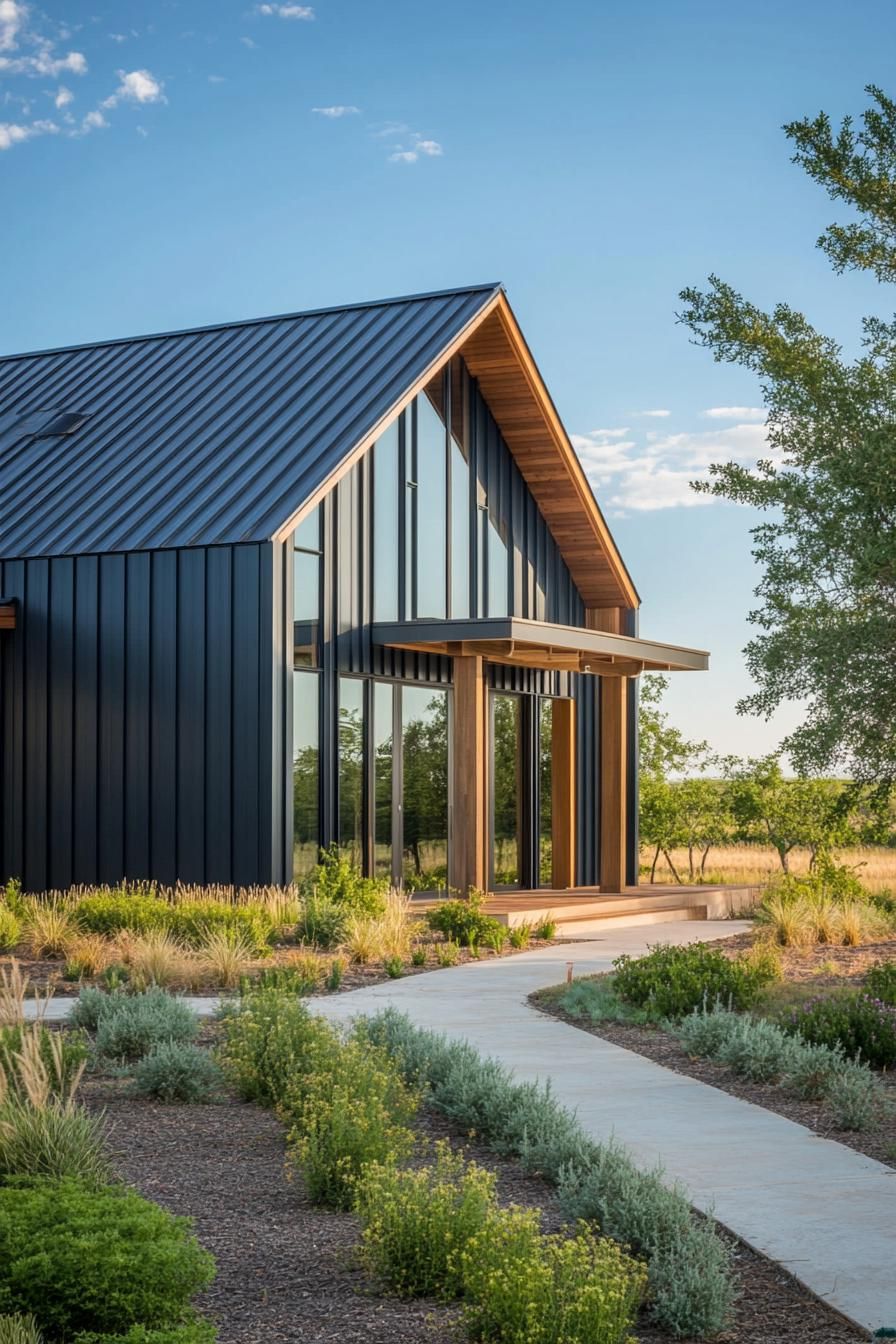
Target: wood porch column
[(563, 793), (468, 862), (613, 760)]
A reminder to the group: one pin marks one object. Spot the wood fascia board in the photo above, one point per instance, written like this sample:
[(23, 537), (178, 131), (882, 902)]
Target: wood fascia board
[(363, 446), (561, 439)]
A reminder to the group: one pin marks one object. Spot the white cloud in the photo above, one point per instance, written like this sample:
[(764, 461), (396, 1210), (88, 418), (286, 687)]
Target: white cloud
[(217, 79), (654, 415), (247, 42), (118, 37), (410, 153), (430, 147), (63, 97), (44, 64), (741, 413), (136, 86), (337, 110), (404, 156), (12, 21), (12, 133), (142, 131), (286, 11), (654, 471)]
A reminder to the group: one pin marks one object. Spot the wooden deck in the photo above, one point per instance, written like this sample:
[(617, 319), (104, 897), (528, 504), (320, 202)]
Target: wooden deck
[(586, 906)]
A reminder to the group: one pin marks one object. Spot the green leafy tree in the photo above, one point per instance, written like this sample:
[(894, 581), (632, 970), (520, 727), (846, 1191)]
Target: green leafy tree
[(703, 818), (816, 814), (827, 544)]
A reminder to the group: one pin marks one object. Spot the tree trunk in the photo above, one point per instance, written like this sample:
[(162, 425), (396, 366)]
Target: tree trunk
[(784, 856), (667, 856), (653, 865), (703, 861)]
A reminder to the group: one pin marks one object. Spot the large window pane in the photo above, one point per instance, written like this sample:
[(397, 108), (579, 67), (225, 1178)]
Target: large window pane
[(305, 772), (382, 775), (351, 768), (431, 497), (498, 604), (460, 532), (506, 711), (306, 590), (385, 526), (425, 792), (545, 781)]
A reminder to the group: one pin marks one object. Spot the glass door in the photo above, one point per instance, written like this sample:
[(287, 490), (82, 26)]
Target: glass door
[(424, 788), (506, 791)]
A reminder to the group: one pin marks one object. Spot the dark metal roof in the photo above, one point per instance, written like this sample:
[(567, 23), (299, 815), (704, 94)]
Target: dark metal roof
[(213, 435)]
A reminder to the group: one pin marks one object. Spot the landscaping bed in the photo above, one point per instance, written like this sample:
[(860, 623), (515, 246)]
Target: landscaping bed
[(288, 1271)]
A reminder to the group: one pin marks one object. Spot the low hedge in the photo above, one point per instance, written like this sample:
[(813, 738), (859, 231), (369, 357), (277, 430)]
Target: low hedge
[(671, 981)]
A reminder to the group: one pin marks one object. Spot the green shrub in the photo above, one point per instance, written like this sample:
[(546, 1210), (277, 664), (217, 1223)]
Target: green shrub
[(271, 1043), (520, 936), (173, 1071), (193, 921), (11, 896), (595, 1181), (465, 922), (339, 881), (416, 1223), (863, 1027), (756, 1050), (301, 979), (855, 1098), (56, 1139), (321, 922), (525, 1288), (546, 930), (448, 954), (193, 1332), (19, 1330), (394, 967), (335, 974), (418, 956), (129, 1026), (595, 999), (496, 939), (880, 981), (671, 981), (88, 1007), (353, 1112), (109, 912), (705, 1030), (10, 929), (102, 1260)]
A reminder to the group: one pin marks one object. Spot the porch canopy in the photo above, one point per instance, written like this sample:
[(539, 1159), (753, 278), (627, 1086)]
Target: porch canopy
[(540, 644)]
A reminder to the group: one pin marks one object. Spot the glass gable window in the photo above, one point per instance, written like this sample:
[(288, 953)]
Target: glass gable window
[(305, 772), (385, 526), (306, 592), (431, 523), (351, 768)]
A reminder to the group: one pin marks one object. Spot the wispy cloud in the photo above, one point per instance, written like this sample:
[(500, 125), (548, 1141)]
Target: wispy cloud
[(337, 110), (286, 11), (742, 413), (645, 472), (63, 96), (136, 86), (217, 79), (417, 147), (247, 42), (652, 415)]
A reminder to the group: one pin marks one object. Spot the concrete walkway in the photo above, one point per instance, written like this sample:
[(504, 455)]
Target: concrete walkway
[(823, 1211)]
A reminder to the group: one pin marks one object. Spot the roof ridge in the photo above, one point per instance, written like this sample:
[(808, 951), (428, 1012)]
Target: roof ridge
[(253, 321)]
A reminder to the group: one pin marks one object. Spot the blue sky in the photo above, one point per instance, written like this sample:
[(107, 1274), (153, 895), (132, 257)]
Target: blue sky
[(170, 164)]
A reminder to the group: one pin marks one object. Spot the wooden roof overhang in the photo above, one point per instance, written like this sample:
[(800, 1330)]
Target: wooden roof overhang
[(7, 613), (539, 644)]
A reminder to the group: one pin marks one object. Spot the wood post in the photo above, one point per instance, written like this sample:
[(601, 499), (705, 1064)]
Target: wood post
[(563, 793), (469, 844), (613, 761)]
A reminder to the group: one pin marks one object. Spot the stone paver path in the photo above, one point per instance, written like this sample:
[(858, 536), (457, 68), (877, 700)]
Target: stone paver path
[(826, 1213)]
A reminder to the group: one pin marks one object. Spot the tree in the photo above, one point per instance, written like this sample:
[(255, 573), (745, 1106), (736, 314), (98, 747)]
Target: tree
[(703, 818), (827, 546), (787, 813)]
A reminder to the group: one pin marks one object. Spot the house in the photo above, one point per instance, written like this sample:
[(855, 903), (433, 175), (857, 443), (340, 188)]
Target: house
[(330, 578)]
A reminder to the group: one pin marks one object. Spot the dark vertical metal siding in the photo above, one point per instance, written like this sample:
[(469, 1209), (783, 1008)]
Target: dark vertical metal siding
[(144, 711)]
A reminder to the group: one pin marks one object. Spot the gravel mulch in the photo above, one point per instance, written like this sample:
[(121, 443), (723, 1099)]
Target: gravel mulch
[(289, 1272)]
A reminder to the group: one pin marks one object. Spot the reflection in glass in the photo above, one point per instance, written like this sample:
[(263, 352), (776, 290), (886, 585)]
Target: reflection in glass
[(497, 567), (425, 788), (351, 767), (506, 711), (385, 526), (305, 772), (545, 781), (306, 590), (460, 532), (382, 777), (431, 500)]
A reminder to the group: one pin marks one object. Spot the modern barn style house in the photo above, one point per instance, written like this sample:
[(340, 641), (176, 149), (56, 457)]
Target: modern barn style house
[(330, 578)]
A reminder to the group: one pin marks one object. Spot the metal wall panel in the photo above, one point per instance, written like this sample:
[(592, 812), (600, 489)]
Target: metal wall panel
[(144, 711)]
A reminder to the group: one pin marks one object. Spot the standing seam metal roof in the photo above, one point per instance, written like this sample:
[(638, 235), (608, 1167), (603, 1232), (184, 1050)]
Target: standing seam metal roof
[(214, 435)]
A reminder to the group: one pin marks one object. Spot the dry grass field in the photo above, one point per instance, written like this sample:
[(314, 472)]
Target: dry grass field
[(744, 865)]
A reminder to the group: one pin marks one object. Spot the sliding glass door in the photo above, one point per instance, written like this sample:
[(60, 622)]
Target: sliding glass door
[(521, 791)]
